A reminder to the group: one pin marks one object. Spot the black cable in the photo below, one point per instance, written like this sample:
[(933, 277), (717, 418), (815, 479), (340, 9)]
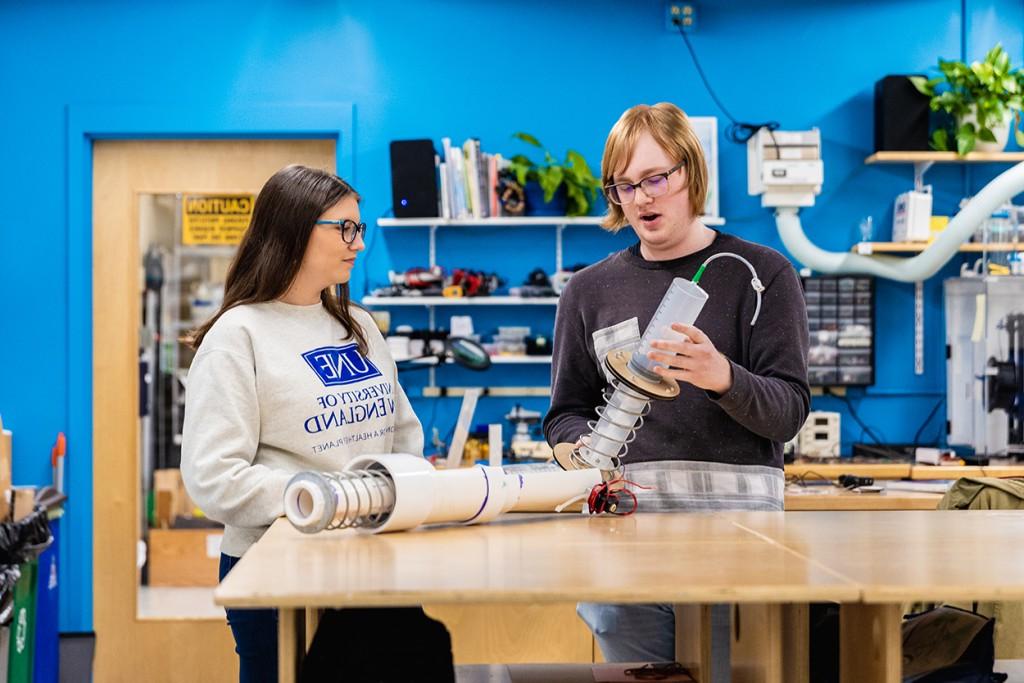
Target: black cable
[(917, 435), (736, 132), (801, 479), (884, 453), (853, 414), (366, 254)]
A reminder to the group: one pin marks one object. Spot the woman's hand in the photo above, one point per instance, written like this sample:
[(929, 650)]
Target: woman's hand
[(693, 359)]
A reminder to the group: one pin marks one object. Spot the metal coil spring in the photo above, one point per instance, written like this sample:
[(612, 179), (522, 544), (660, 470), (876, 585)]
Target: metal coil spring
[(356, 479), (623, 448)]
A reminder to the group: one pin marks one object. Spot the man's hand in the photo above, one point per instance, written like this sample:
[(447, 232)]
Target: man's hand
[(694, 359)]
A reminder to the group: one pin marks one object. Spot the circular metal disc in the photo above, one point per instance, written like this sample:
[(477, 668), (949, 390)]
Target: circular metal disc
[(563, 451), (663, 389)]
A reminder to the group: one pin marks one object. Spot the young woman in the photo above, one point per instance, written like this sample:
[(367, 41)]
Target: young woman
[(289, 375)]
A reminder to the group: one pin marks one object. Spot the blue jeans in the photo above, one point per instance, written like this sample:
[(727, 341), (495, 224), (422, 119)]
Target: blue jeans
[(255, 632), (632, 633)]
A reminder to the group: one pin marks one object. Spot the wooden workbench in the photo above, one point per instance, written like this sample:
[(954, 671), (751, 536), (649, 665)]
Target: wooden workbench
[(871, 562), (826, 498), (697, 559), (898, 557), (832, 469), (958, 471)]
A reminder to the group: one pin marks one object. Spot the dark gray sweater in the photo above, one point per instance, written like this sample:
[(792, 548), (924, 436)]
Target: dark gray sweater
[(608, 306)]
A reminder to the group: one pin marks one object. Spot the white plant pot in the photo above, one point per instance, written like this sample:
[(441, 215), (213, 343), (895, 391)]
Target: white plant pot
[(1001, 131)]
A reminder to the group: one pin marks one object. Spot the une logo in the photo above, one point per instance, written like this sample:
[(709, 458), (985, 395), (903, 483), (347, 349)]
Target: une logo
[(336, 365)]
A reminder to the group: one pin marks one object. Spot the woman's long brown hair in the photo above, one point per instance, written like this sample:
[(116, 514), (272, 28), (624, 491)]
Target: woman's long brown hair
[(272, 248)]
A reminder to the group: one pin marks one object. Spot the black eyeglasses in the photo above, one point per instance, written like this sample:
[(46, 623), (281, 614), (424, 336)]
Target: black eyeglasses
[(349, 229), (653, 186)]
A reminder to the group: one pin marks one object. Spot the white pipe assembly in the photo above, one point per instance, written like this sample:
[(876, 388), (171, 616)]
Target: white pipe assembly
[(1001, 190), (397, 491), (636, 382)]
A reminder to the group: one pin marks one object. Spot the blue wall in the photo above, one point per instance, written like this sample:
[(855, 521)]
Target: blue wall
[(563, 71)]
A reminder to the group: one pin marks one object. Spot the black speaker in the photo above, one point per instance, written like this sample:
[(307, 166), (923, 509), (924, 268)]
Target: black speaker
[(413, 179), (901, 116)]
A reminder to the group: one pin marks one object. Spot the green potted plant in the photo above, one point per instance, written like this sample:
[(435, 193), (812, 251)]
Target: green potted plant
[(981, 100), (581, 188)]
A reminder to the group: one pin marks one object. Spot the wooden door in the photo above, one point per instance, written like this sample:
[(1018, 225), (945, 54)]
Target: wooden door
[(128, 648)]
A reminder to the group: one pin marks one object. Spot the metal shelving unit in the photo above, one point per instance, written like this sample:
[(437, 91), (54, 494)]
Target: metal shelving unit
[(868, 248), (496, 360), (560, 223), (460, 301), (923, 161)]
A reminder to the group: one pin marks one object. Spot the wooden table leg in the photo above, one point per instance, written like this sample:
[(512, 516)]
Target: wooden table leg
[(796, 643), (757, 643), (313, 615), (749, 643), (703, 642), (693, 639), (290, 643), (870, 643)]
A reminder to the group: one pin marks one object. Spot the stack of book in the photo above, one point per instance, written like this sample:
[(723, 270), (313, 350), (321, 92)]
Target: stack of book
[(468, 181)]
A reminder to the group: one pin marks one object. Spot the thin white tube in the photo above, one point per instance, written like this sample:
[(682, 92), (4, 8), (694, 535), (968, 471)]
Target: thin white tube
[(755, 282), (1003, 187)]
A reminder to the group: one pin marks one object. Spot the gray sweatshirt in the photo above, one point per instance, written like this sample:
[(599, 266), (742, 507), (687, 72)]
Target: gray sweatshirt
[(275, 389), (608, 305)]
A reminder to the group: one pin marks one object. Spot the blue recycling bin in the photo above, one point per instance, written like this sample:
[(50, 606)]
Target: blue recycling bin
[(46, 667)]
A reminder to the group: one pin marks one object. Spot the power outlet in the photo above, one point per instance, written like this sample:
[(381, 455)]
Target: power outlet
[(681, 14)]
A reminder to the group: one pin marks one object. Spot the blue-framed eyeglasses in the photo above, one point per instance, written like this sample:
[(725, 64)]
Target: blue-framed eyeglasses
[(653, 186), (349, 229)]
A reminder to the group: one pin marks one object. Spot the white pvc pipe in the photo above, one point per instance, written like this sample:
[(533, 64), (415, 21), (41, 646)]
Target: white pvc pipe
[(542, 491), (407, 491), (1002, 189)]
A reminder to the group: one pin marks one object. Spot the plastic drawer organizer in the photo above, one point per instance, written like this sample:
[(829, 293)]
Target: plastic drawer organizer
[(841, 321)]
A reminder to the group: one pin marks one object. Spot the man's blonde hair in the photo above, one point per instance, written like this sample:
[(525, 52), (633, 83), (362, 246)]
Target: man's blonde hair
[(670, 128)]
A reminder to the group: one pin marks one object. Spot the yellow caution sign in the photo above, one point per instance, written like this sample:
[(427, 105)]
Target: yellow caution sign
[(215, 218)]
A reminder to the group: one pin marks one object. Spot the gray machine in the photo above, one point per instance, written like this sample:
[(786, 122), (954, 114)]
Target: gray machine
[(985, 364)]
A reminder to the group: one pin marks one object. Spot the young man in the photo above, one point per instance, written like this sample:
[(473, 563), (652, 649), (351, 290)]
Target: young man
[(743, 388)]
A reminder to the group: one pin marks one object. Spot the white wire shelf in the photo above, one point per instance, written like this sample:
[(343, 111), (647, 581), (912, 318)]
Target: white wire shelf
[(464, 301), (944, 157), (496, 360), (502, 221), (508, 221)]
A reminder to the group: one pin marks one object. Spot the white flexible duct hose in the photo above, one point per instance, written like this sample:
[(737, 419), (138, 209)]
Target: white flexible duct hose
[(1003, 187)]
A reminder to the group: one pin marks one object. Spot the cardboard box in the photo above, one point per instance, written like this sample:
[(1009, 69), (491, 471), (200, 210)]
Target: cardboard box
[(6, 455), (184, 557), (23, 501), (171, 499)]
